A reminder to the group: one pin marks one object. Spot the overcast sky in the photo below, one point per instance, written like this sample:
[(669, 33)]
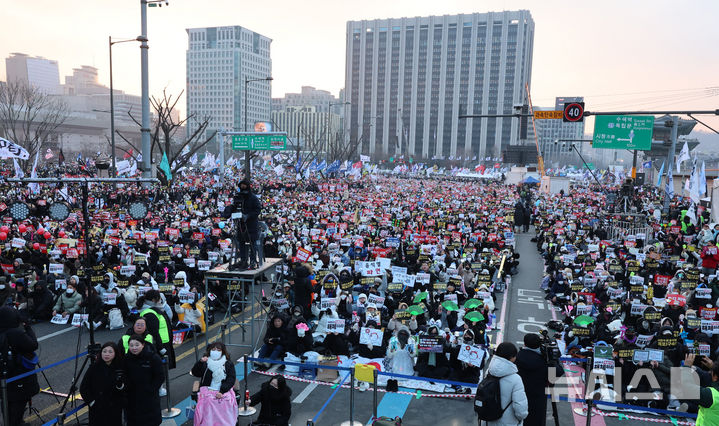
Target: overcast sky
[(645, 55)]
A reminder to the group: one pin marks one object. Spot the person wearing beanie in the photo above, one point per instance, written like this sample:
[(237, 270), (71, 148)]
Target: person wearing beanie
[(534, 372)]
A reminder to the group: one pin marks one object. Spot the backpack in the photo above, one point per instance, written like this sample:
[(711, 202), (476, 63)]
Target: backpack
[(488, 400), (387, 421)]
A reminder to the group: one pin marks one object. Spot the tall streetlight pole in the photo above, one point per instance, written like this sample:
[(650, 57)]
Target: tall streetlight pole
[(145, 126), (112, 101), (244, 127)]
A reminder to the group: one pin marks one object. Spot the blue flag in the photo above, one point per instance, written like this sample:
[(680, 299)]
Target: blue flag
[(298, 166), (335, 166), (661, 171)]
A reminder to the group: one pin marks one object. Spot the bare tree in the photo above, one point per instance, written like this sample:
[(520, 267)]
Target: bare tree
[(165, 130), (28, 116)]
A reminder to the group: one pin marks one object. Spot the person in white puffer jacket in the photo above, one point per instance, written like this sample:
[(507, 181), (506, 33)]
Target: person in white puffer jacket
[(511, 387)]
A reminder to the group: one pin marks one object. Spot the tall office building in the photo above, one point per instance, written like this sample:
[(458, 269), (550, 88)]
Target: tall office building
[(37, 72), (219, 61), (410, 79), (556, 137)]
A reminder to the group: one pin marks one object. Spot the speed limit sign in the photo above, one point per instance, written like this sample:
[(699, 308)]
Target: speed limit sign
[(573, 112)]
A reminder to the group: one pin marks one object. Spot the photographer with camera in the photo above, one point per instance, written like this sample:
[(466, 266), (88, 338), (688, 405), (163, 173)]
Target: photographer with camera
[(247, 229), (533, 367), (17, 355), (103, 387)]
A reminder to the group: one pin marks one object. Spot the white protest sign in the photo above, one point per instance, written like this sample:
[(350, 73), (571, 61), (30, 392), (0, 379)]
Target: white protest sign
[(55, 268), (384, 263), (398, 270), (109, 298), (190, 262), (451, 296), (370, 336), (643, 340), (377, 300), (638, 309), (77, 319), (471, 354), (281, 303), (327, 302), (336, 326), (422, 278), (142, 290), (213, 256), (186, 296), (203, 265), (408, 280), (59, 319), (584, 310), (127, 270), (18, 242), (60, 284)]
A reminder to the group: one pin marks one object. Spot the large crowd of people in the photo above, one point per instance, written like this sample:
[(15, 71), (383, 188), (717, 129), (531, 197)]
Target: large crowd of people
[(402, 273)]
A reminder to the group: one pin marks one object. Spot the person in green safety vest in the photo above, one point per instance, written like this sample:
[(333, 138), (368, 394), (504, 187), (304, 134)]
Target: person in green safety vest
[(158, 325), (708, 397), (139, 327)]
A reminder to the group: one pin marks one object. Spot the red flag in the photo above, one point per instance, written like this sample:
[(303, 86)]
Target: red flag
[(127, 155)]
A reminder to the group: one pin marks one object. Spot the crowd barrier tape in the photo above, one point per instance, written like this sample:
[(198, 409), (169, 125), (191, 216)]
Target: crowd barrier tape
[(69, 413), (628, 406), (330, 367), (38, 370)]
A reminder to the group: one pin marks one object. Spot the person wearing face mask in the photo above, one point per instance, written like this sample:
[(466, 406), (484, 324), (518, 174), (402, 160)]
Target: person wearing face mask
[(158, 325), (103, 387), (274, 396), (145, 375), (216, 402), (401, 352), (68, 303)]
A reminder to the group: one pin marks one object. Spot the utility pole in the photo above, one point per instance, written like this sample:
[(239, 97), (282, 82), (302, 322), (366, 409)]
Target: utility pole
[(145, 128)]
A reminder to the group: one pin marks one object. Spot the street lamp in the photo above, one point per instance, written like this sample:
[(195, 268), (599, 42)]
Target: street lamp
[(145, 127), (112, 101), (244, 127)]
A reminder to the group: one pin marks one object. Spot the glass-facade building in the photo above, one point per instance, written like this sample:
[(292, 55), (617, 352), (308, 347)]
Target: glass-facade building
[(409, 80), (219, 60)]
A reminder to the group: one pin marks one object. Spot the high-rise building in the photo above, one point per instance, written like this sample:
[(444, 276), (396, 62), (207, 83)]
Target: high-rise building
[(309, 96), (312, 128), (410, 79), (219, 61), (556, 137), (37, 72)]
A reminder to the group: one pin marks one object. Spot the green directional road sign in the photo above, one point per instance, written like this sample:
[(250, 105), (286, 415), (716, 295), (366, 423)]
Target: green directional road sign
[(623, 132), (260, 141)]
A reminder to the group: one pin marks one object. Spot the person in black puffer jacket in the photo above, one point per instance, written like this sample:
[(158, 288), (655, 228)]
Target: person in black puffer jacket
[(303, 288), (275, 399), (275, 339), (19, 341), (42, 302), (145, 375), (103, 387)]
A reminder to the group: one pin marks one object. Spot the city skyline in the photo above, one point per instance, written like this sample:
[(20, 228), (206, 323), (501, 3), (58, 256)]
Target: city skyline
[(614, 54)]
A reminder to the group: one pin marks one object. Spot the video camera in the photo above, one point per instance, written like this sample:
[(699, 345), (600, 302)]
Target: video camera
[(550, 350)]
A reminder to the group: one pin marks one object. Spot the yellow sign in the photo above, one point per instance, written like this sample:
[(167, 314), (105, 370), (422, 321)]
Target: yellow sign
[(548, 115)]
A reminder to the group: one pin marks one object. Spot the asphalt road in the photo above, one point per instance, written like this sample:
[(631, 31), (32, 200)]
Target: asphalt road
[(525, 311)]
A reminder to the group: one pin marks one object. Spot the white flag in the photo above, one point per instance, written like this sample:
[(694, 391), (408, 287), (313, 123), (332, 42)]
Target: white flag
[(12, 150), (279, 170), (34, 187), (702, 180), (18, 171), (694, 185), (139, 158), (683, 156)]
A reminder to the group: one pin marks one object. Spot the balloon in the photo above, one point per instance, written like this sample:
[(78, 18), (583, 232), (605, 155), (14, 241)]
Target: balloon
[(47, 235), (3, 236), (22, 228), (221, 225), (36, 246), (40, 230), (61, 234), (4, 229)]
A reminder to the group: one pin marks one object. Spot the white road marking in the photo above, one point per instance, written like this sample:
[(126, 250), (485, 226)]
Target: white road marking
[(57, 333), (305, 393)]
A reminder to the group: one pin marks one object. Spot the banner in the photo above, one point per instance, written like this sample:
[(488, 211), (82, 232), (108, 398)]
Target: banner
[(370, 336), (12, 150)]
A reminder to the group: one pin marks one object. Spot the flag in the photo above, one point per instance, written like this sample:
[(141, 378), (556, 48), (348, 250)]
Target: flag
[(661, 171), (193, 159), (12, 150), (335, 166), (139, 158), (34, 187), (364, 158), (702, 180), (48, 154), (133, 169), (646, 164), (694, 185), (61, 157), (18, 171), (165, 166), (279, 170), (683, 155), (669, 187), (298, 166), (128, 154)]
